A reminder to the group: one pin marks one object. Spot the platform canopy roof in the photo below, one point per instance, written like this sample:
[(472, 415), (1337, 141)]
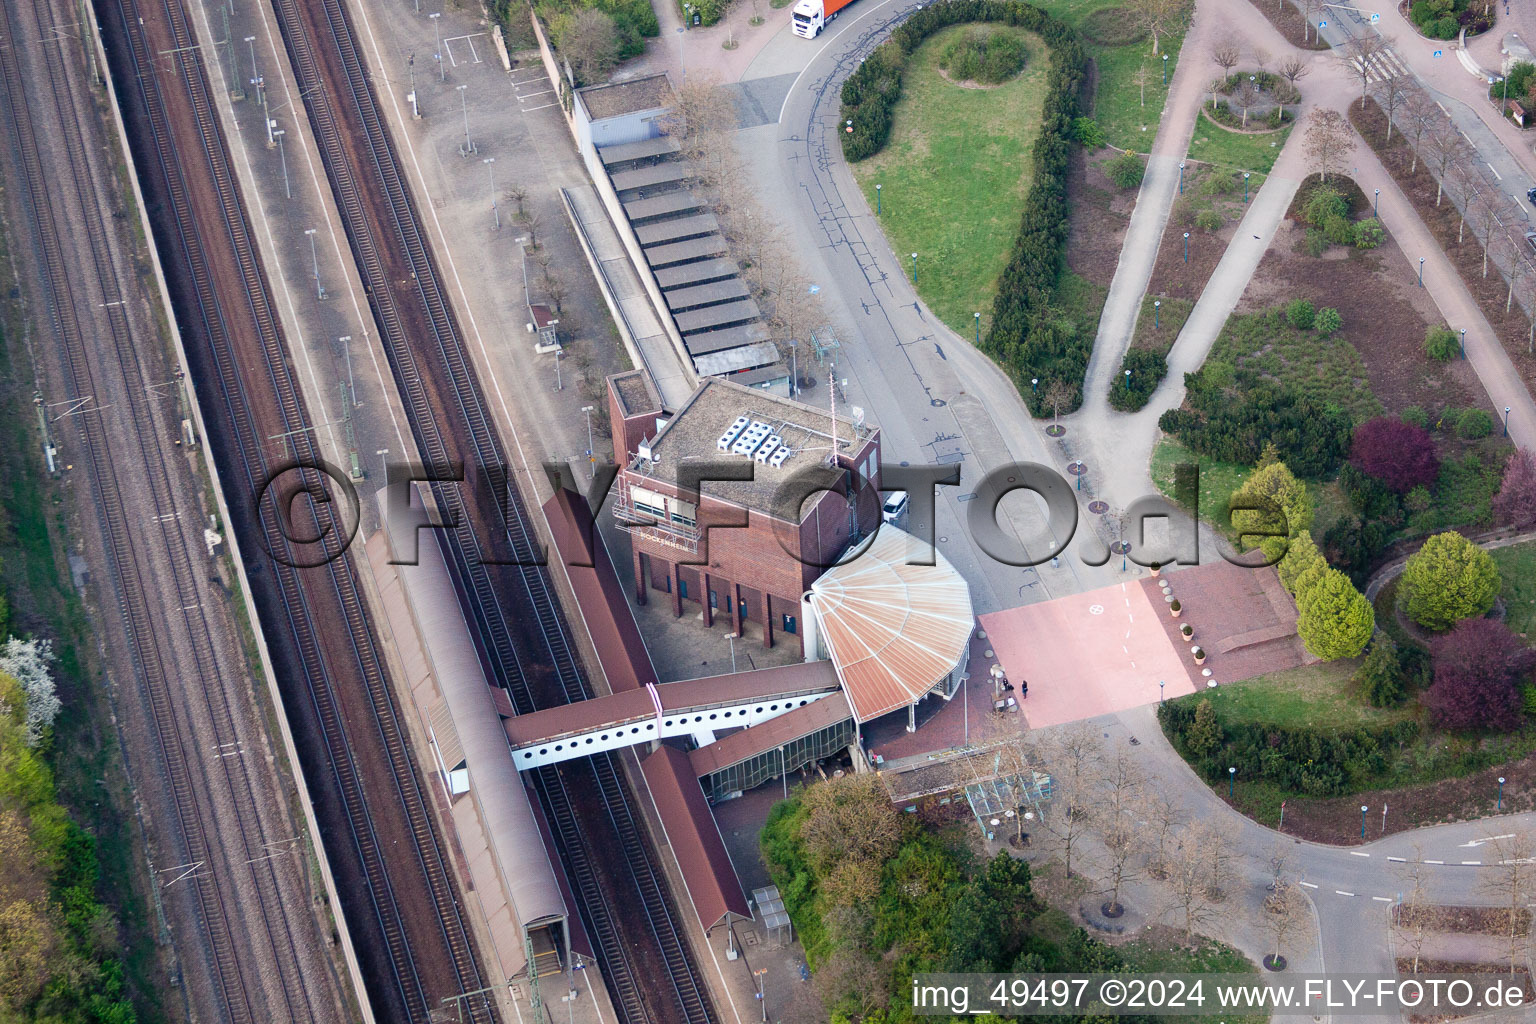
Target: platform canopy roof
[(893, 629)]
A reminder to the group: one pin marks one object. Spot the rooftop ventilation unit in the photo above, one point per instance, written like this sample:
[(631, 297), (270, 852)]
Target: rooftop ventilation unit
[(731, 433), (769, 447), (778, 457), (750, 438)]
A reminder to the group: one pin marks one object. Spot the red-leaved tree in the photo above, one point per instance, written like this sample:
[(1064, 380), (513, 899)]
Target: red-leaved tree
[(1478, 669), (1515, 504), (1399, 454)]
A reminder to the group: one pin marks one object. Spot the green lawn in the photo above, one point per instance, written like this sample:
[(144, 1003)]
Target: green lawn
[(1129, 114), (1239, 151), (954, 175), (1517, 567), (1217, 479), (1313, 695), (1326, 369)]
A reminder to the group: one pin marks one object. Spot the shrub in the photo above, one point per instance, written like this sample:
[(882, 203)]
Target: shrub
[(1233, 422), (1353, 544), (1113, 26), (1398, 454), (1416, 416), (1300, 313), (1328, 320), (1515, 504), (1339, 231), (1088, 133), (1125, 170), (1381, 677), (1301, 555), (1313, 243), (1441, 343), (1270, 502), (983, 54), (1208, 220), (1148, 368), (1218, 183), (1478, 670), (1368, 233), (1325, 201), (1336, 620), (1473, 424), (1447, 580)]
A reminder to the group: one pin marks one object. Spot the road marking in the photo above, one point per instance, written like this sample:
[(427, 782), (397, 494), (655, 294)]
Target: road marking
[(1434, 862), (1309, 885), (1341, 892), (1398, 860), (1486, 839), (1496, 174), (1473, 863), (1447, 113), (1357, 853), (529, 110), (1382, 899), (541, 92)]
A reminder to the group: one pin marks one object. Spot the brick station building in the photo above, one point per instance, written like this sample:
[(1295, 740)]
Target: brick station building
[(744, 549)]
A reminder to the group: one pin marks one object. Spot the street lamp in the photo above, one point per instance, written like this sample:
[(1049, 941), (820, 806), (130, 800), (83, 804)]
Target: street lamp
[(591, 457), (437, 47), (1186, 247), (1376, 206), (1231, 781), (314, 259), (914, 269), (1165, 69), (255, 74), (1363, 809), (488, 161), (978, 327), (1463, 343), (1245, 186), (1506, 421), (1501, 793), (468, 147), (1160, 684), (762, 990), (1421, 271), (1157, 322), (283, 156), (877, 199), (1034, 382), (1181, 177), (732, 638), (784, 772)]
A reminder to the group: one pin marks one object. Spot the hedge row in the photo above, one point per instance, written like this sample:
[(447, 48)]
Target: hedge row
[(1027, 337), (1319, 762)]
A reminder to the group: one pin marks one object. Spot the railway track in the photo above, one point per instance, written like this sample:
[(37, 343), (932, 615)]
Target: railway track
[(341, 680), (492, 549)]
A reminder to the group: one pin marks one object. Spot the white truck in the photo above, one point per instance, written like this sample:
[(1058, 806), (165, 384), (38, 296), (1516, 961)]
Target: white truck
[(811, 16)]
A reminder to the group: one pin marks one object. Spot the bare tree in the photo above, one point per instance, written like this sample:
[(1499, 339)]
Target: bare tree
[(1328, 139), (1309, 12), (1216, 852), (1364, 56), (1444, 148), (530, 220), (1461, 185), (518, 195), (1511, 887), (1188, 884), (1294, 68), (1420, 115), (1161, 17), (1391, 91), (1073, 758), (1057, 394), (1412, 912), (1244, 97), (1139, 78), (1122, 784), (1165, 819), (1285, 911), (1493, 211), (589, 42), (1260, 57), (1225, 54)]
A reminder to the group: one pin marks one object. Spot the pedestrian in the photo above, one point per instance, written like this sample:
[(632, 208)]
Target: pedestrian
[(1055, 562), (1023, 688)]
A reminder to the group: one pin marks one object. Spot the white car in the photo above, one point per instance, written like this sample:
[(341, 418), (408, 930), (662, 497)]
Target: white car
[(894, 506)]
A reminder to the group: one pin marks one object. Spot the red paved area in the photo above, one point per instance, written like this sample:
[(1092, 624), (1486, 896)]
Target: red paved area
[(1090, 654), (1242, 617)]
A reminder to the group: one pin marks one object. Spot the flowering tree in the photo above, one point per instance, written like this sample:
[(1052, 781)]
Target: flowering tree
[(1515, 504), (28, 661), (1399, 454)]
